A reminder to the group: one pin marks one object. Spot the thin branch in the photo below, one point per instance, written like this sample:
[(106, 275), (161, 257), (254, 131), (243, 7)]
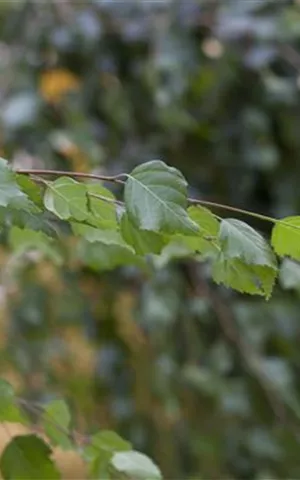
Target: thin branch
[(265, 218), (104, 178), (194, 201), (106, 199), (117, 179)]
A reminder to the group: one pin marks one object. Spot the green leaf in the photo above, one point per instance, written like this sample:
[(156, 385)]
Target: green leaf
[(31, 189), (135, 465), (9, 410), (142, 241), (26, 219), (67, 198), (107, 256), (175, 250), (156, 199), (252, 279), (205, 219), (9, 189), (106, 441), (27, 457), (285, 237), (24, 239), (102, 213), (101, 449), (56, 422), (289, 275), (92, 234), (205, 241), (239, 240)]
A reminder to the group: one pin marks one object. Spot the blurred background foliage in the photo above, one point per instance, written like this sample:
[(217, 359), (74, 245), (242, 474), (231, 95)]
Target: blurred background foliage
[(203, 380)]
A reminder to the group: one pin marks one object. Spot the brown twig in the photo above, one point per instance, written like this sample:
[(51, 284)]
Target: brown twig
[(104, 178), (106, 199), (117, 179)]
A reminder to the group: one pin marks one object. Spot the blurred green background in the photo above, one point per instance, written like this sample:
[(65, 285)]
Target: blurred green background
[(203, 380)]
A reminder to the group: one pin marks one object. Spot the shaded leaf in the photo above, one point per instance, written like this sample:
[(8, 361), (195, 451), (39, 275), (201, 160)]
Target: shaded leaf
[(103, 256), (30, 220), (142, 241), (136, 465), (239, 240), (156, 199), (27, 457), (56, 422), (93, 234), (67, 198), (31, 189), (252, 279), (285, 237), (24, 239)]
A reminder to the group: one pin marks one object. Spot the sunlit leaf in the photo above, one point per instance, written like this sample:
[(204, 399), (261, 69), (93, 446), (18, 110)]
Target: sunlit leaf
[(99, 452), (136, 465), (56, 422), (285, 237), (106, 441), (24, 239), (205, 219), (205, 241), (102, 212), (67, 198), (27, 457), (245, 278), (156, 199)]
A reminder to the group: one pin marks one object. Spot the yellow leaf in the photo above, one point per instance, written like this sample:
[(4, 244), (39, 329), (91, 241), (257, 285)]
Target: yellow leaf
[(54, 84)]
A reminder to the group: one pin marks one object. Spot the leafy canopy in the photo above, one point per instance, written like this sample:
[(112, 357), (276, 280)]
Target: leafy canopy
[(155, 219)]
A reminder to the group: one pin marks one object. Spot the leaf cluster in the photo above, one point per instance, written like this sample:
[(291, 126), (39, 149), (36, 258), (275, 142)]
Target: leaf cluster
[(155, 217)]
